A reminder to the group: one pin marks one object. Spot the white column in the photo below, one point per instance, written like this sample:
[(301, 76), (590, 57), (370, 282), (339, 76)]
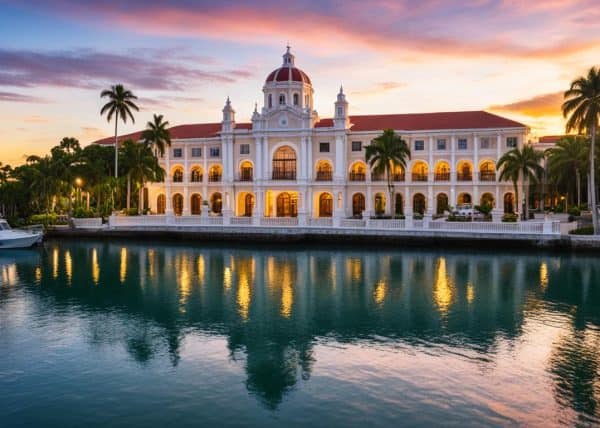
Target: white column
[(430, 160), (475, 169), (205, 194), (303, 167), (339, 159), (258, 165), (169, 202), (266, 163), (309, 156), (452, 199)]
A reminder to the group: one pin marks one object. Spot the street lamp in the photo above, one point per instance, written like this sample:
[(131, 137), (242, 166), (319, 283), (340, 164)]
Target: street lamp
[(78, 184)]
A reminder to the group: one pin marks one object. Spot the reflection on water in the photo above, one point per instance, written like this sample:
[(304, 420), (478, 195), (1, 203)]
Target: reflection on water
[(464, 337)]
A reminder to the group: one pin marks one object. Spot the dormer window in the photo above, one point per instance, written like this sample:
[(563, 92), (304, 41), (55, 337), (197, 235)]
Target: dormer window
[(270, 101), (296, 99), (281, 99)]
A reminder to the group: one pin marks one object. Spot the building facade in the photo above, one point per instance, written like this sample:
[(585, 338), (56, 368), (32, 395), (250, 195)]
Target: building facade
[(289, 162)]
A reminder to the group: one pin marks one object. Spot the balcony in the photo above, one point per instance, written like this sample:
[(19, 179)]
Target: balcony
[(419, 176), (245, 175), (214, 178), (196, 178), (357, 176), (284, 175), (324, 176), (377, 177), (464, 176), (487, 176), (442, 176), (399, 176)]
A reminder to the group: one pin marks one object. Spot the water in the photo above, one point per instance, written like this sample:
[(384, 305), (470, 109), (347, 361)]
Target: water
[(96, 333)]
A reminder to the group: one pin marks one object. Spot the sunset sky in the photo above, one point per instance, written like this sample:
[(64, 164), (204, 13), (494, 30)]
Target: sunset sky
[(183, 59)]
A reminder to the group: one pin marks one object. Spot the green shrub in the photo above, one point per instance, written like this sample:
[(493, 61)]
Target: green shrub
[(458, 218), (586, 230), (418, 216), (509, 218), (484, 208), (131, 211), (82, 212), (45, 219), (399, 217), (574, 211)]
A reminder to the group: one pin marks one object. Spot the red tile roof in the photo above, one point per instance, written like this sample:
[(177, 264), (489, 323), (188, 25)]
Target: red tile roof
[(550, 139), (427, 121), (378, 122)]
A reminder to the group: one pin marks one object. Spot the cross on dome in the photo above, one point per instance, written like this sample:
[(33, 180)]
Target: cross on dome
[(288, 58)]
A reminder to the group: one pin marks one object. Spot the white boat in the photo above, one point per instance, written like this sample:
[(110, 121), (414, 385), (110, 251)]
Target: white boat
[(18, 238)]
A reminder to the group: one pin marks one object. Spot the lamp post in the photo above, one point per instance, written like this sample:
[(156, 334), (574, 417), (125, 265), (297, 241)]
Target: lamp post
[(78, 184)]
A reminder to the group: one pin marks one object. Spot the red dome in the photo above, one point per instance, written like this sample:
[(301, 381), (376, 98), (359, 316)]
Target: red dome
[(288, 74)]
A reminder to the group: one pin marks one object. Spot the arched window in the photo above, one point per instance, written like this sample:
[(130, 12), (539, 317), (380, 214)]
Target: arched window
[(281, 99), (216, 203), (161, 204), (419, 171), (399, 205), (196, 176), (487, 171), (358, 172), (296, 99), (464, 198), (284, 164), (419, 204), (358, 204), (488, 199), (246, 171), (325, 205), (214, 173), (464, 171), (178, 175), (196, 204), (248, 205), (379, 204), (442, 171), (178, 203), (270, 101), (442, 204), (287, 205), (324, 171)]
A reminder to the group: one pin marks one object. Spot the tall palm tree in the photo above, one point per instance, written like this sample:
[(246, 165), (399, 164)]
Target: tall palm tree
[(384, 154), (567, 159), (141, 166), (120, 105), (582, 107), (521, 164), (157, 135)]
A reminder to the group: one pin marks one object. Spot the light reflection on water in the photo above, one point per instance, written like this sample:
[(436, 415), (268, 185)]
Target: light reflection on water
[(308, 336)]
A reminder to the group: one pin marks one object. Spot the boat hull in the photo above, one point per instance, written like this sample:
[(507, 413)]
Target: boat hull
[(23, 241)]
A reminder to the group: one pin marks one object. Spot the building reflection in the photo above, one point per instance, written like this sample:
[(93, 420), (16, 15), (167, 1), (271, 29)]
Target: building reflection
[(273, 306)]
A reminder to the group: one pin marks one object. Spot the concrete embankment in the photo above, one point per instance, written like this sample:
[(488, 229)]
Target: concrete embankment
[(295, 235)]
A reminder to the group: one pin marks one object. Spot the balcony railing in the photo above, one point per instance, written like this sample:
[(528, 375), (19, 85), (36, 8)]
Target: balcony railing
[(377, 177), (399, 176), (356, 176), (462, 176), (214, 178), (284, 175), (487, 176), (419, 177), (196, 178), (324, 176), (442, 176), (245, 175)]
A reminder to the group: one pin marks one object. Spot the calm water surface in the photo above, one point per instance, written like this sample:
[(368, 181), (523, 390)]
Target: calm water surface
[(97, 333)]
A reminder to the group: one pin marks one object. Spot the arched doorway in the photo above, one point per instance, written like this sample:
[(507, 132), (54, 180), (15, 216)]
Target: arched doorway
[(442, 203), (161, 204), (287, 205), (178, 203), (488, 199), (358, 204), (196, 204), (509, 203), (325, 205), (248, 205), (399, 205), (216, 203), (464, 198), (379, 203), (419, 204), (284, 164)]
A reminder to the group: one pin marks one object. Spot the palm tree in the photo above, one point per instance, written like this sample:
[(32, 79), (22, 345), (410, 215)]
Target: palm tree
[(120, 105), (567, 160), (582, 107), (141, 166), (157, 135), (384, 154), (521, 164)]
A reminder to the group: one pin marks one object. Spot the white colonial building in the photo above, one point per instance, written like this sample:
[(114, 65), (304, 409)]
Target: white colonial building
[(289, 162)]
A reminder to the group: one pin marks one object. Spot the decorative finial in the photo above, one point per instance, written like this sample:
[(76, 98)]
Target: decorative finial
[(288, 47), (255, 106), (341, 89)]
